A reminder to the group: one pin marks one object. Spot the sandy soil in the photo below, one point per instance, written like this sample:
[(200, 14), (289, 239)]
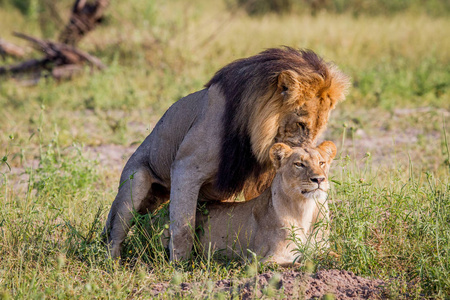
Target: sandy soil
[(325, 284)]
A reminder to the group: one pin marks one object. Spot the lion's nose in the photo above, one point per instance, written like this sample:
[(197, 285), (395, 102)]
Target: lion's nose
[(318, 180)]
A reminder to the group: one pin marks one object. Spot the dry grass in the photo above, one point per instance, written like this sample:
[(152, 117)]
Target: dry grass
[(390, 216)]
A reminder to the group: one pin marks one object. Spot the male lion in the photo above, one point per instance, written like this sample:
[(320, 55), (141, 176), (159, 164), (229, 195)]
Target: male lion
[(296, 199), (212, 144)]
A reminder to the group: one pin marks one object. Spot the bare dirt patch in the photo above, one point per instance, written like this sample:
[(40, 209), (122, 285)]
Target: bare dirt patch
[(110, 155), (291, 285), (392, 138)]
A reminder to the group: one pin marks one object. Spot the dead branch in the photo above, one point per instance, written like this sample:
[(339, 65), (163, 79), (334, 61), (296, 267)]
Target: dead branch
[(62, 60), (66, 53), (7, 48), (32, 65), (85, 16), (66, 72)]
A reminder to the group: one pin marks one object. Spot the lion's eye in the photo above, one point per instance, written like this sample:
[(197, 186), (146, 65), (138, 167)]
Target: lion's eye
[(322, 163), (299, 165)]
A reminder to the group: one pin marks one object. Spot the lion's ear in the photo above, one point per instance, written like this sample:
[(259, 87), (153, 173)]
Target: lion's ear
[(287, 84), (278, 152), (329, 148)]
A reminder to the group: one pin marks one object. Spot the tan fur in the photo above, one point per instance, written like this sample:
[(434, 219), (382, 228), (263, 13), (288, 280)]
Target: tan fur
[(308, 99), (308, 91), (296, 200), (187, 156)]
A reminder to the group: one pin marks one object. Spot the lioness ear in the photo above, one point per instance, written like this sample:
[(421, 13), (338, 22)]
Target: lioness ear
[(329, 148), (278, 152), (287, 84)]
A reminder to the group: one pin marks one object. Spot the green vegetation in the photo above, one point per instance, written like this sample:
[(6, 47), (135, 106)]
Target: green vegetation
[(355, 7), (61, 145)]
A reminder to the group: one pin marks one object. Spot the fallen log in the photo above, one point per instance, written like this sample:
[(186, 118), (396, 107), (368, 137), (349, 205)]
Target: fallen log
[(66, 72), (61, 59), (58, 51), (57, 55), (7, 48), (32, 65)]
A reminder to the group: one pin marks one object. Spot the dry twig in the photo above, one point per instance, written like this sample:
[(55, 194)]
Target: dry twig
[(7, 48), (62, 59)]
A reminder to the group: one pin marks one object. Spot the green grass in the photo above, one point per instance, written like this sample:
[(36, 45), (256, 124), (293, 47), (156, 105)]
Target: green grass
[(396, 227), (390, 207)]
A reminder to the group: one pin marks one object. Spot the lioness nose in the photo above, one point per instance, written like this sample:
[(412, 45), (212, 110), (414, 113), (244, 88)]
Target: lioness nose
[(318, 180)]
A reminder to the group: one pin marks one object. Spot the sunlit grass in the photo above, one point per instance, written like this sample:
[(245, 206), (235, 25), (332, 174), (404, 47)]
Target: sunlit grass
[(390, 208)]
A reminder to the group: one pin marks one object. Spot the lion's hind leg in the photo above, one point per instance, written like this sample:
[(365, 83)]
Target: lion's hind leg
[(134, 196)]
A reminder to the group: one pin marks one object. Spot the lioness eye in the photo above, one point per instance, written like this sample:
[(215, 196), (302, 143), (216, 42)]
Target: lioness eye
[(322, 163), (299, 165)]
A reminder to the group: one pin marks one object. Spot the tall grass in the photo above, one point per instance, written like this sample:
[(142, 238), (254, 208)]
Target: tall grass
[(395, 227), (356, 7)]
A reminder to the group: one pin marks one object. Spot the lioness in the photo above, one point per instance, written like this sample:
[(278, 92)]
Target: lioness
[(296, 199), (214, 143)]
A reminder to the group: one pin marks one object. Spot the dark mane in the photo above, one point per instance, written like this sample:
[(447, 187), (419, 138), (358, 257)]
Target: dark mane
[(256, 76)]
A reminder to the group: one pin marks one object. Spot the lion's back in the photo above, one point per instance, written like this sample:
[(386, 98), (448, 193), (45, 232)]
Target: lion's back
[(160, 148)]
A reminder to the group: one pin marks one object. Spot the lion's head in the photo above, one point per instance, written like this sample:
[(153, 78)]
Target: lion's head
[(262, 93), (303, 126), (303, 171)]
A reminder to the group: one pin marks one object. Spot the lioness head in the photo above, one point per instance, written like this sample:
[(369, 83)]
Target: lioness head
[(303, 171)]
